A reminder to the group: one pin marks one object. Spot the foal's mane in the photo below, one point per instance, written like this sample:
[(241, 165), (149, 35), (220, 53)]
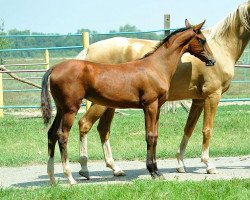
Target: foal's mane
[(230, 22), (166, 39)]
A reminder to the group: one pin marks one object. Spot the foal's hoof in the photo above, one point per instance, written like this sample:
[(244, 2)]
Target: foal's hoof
[(212, 171), (84, 174), (52, 182), (157, 175), (119, 173), (180, 170)]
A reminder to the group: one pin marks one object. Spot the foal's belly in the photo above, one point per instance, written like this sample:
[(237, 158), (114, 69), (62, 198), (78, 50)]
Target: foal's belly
[(115, 103), (124, 100)]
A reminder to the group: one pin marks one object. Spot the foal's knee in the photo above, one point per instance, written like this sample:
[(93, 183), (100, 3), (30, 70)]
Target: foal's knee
[(206, 133), (84, 126), (151, 140)]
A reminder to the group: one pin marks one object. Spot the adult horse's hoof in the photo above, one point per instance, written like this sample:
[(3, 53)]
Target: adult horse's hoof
[(119, 173), (84, 174), (72, 182), (212, 171), (180, 170)]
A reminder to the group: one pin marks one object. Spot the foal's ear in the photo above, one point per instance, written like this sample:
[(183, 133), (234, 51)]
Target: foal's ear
[(187, 24), (199, 26)]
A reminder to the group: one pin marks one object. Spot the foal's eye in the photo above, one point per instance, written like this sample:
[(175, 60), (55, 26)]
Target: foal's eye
[(202, 41)]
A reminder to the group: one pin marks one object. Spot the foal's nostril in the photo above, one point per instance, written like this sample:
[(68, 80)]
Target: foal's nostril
[(210, 62)]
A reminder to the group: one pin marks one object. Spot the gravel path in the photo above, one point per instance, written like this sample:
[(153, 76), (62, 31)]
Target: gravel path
[(30, 176)]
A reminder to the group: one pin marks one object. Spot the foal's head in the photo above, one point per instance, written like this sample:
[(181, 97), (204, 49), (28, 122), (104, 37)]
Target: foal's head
[(198, 46)]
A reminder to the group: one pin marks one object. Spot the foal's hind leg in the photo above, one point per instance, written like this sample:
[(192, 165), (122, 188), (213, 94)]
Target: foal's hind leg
[(85, 124), (194, 114), (67, 122), (104, 132), (52, 139)]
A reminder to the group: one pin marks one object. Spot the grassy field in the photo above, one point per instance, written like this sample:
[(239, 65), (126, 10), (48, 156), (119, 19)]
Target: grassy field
[(209, 190), (24, 140)]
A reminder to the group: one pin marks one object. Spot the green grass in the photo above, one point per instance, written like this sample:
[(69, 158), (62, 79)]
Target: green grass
[(24, 141), (150, 189)]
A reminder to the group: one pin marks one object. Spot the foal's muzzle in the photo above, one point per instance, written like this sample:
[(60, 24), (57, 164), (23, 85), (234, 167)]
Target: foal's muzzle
[(210, 62)]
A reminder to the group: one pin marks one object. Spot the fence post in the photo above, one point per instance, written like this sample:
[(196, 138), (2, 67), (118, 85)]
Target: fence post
[(46, 57), (167, 23), (85, 42), (167, 26), (1, 94)]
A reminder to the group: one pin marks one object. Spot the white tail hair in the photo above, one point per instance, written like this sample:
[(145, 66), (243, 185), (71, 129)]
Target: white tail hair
[(82, 55)]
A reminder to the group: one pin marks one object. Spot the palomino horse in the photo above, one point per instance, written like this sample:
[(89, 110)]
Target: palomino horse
[(142, 84), (204, 86)]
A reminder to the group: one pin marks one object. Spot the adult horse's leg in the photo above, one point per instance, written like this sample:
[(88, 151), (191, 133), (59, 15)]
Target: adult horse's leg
[(104, 132), (67, 122), (52, 139), (210, 108), (85, 124), (151, 113), (194, 114)]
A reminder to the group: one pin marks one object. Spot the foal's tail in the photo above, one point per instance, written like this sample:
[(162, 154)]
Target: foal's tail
[(45, 99)]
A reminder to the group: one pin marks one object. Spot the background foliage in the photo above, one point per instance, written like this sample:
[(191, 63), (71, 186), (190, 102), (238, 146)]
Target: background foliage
[(67, 40)]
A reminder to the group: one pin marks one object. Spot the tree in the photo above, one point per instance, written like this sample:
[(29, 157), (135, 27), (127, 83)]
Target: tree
[(128, 28), (3, 41)]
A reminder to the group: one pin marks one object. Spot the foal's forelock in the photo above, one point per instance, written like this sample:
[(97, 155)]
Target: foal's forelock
[(230, 23)]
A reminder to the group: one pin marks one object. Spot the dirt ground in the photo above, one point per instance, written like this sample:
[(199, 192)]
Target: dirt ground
[(36, 175)]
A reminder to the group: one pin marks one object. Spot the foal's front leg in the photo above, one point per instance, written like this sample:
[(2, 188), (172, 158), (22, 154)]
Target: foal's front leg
[(151, 113)]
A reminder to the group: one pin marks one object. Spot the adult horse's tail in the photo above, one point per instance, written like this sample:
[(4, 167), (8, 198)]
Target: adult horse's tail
[(45, 99), (82, 55)]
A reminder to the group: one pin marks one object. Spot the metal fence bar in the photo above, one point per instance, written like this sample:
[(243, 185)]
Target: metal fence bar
[(21, 65), (21, 71), (140, 32), (18, 107), (237, 81), (235, 100), (49, 35), (40, 48), (24, 77), (243, 66), (22, 90)]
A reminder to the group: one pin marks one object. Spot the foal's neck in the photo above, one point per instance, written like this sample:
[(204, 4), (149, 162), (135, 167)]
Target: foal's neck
[(169, 54)]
